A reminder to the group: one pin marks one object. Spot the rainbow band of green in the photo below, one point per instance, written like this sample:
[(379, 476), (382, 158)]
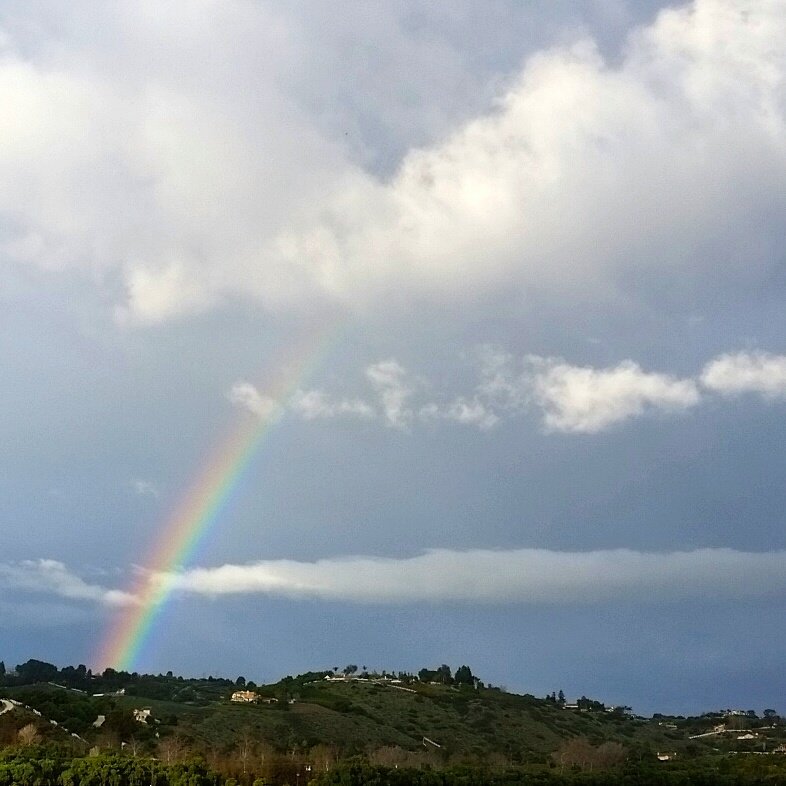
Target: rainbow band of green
[(199, 511)]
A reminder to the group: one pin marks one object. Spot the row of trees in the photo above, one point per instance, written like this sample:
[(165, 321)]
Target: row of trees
[(443, 675), (43, 767), (743, 771), (33, 671), (152, 686)]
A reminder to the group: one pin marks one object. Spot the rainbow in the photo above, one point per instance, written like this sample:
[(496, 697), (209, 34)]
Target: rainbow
[(201, 507)]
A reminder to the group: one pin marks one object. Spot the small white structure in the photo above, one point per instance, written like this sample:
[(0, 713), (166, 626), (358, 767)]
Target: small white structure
[(141, 716), (99, 721), (666, 756), (245, 696)]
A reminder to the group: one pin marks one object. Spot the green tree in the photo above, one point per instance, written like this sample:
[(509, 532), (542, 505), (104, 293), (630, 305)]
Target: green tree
[(36, 671), (463, 676), (444, 674)]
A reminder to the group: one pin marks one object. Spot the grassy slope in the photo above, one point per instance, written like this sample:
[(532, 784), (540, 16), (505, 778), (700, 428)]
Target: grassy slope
[(361, 716)]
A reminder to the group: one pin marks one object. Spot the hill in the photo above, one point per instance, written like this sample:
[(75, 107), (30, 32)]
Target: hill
[(317, 719)]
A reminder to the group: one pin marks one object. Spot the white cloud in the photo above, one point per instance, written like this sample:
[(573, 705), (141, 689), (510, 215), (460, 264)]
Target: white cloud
[(389, 380), (501, 384), (171, 165), (588, 400), (46, 576), (308, 404), (144, 488), (169, 290), (315, 404), (246, 396), (467, 411), (518, 576), (582, 169), (746, 372)]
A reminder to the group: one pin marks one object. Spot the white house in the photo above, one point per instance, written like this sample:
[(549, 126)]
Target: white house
[(245, 696), (141, 716)]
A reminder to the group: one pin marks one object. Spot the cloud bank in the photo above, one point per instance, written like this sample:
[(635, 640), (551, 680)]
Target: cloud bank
[(50, 577), (528, 576), (519, 576), (581, 172)]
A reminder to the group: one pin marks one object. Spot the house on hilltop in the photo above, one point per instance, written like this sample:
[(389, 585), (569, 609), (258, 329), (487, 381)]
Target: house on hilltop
[(245, 696)]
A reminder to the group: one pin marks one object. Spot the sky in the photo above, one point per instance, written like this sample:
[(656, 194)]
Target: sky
[(397, 334)]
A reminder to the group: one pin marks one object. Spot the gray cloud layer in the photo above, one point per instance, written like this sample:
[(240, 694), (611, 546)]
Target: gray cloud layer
[(527, 576), (519, 576)]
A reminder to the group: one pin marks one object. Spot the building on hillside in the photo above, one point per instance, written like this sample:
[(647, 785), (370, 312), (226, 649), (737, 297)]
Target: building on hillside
[(245, 696), (141, 716)]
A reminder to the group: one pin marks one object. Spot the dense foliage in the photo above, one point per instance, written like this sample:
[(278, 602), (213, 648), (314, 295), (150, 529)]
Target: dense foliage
[(703, 773), (46, 767)]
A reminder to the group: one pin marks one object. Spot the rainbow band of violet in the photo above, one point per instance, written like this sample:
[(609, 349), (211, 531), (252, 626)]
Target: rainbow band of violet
[(201, 507)]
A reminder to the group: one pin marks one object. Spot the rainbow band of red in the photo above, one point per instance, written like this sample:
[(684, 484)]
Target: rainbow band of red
[(199, 511)]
